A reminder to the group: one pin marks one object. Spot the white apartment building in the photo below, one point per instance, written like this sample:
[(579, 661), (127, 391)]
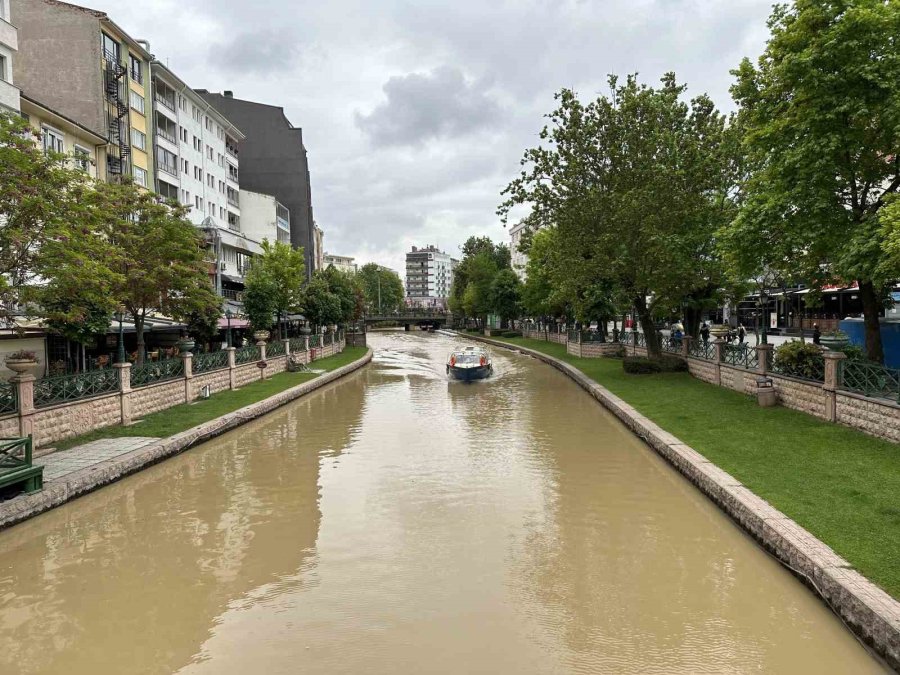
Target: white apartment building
[(9, 45), (342, 262), (264, 217), (429, 274), (518, 260)]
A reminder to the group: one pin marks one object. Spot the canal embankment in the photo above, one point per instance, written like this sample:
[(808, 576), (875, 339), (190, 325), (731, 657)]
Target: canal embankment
[(179, 428), (819, 497)]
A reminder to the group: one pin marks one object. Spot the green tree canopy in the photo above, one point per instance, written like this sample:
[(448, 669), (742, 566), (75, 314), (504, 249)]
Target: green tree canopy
[(382, 288), (273, 285), (636, 184), (822, 119), (506, 295)]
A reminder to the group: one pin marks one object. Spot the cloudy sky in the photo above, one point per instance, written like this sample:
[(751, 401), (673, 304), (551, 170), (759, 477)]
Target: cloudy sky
[(415, 113)]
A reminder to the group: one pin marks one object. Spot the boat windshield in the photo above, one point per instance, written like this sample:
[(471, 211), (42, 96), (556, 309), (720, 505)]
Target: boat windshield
[(467, 358)]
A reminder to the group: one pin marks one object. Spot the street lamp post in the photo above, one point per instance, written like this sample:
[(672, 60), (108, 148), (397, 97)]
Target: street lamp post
[(120, 355), (228, 331)]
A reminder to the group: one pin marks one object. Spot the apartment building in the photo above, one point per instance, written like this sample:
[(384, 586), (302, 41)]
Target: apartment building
[(77, 62), (518, 260), (196, 152), (273, 162), (265, 217), (318, 256), (429, 275), (344, 263), (9, 44), (60, 134)]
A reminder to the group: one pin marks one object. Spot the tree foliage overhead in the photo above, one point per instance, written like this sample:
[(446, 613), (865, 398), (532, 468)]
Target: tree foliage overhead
[(636, 184), (273, 285), (821, 111), (333, 297)]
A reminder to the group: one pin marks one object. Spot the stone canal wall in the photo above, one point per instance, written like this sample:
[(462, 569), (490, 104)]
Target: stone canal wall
[(72, 485), (868, 610), (55, 423)]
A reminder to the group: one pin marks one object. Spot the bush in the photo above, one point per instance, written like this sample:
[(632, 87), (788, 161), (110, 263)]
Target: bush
[(512, 333), (854, 353), (800, 359), (641, 365)]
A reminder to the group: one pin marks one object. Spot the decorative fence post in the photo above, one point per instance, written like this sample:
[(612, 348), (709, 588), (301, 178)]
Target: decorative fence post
[(686, 346), (764, 358), (124, 391), (306, 348), (24, 384), (262, 359), (231, 351), (187, 359), (832, 382), (287, 350), (719, 346)]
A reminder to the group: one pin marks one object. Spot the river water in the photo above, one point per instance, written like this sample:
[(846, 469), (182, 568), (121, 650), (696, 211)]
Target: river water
[(396, 522)]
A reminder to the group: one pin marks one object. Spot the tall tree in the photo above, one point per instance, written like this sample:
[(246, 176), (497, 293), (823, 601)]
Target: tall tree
[(382, 288), (822, 123), (274, 282), (159, 258), (506, 295), (636, 185)]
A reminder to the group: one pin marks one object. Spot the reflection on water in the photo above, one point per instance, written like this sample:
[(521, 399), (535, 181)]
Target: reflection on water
[(398, 522)]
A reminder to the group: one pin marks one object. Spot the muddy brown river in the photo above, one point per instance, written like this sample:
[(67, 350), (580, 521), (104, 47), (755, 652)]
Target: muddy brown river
[(396, 522)]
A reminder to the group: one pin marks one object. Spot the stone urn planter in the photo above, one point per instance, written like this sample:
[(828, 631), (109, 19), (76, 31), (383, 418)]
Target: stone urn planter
[(260, 335), (305, 330), (20, 362), (719, 331), (186, 344), (834, 342)]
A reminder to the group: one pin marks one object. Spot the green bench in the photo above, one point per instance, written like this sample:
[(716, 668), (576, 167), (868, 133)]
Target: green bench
[(16, 468)]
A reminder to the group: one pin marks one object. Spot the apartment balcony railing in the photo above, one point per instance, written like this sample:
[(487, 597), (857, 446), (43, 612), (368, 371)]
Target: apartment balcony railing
[(237, 296), (167, 135), (233, 200), (166, 102)]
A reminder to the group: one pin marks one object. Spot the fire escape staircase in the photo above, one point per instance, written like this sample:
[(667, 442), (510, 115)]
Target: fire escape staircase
[(116, 86)]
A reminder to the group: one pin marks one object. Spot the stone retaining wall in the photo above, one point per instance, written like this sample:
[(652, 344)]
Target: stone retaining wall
[(66, 420), (872, 417), (867, 609)]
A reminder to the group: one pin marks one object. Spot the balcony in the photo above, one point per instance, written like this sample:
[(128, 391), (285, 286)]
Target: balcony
[(169, 103), (167, 135), (9, 95), (228, 294)]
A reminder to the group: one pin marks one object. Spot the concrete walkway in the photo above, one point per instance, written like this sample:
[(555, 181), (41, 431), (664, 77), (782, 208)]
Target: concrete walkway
[(58, 464)]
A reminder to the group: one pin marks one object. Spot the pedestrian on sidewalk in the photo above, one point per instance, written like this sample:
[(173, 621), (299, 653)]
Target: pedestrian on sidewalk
[(817, 334), (704, 332), (742, 333)]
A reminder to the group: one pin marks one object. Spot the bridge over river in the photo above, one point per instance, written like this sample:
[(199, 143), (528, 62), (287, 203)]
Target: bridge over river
[(409, 318), (395, 522)]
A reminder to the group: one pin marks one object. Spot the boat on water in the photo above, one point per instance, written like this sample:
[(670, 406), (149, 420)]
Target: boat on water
[(471, 363)]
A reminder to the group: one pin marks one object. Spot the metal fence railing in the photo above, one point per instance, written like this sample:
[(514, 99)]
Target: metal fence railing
[(741, 355), (592, 336), (203, 363), (246, 354), (870, 379), (9, 398), (810, 369), (315, 341), (297, 344), (701, 349), (275, 348), (157, 371), (670, 344), (62, 388)]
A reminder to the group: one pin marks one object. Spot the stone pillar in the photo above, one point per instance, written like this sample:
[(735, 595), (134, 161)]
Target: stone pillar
[(764, 358), (188, 360), (287, 348), (230, 351), (686, 346), (124, 392), (719, 346), (832, 382), (24, 384), (262, 349)]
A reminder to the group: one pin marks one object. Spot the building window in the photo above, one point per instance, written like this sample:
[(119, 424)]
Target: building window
[(209, 152), (221, 213), (166, 161), (137, 73), (198, 202), (167, 191), (137, 102), (139, 139), (82, 158), (110, 48), (140, 176), (185, 166), (53, 140), (210, 180), (4, 73)]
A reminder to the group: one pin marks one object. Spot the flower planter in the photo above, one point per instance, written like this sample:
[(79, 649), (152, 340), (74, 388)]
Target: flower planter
[(261, 335), (834, 344), (186, 345), (719, 332), (20, 366)]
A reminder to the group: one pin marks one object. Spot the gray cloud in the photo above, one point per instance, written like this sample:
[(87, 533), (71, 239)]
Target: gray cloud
[(424, 106), (262, 51)]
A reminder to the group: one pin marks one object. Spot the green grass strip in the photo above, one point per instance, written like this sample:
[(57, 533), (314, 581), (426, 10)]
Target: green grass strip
[(840, 484), (182, 417)]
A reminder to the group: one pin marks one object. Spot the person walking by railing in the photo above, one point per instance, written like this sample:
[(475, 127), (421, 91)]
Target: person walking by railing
[(704, 332), (817, 334), (741, 333)]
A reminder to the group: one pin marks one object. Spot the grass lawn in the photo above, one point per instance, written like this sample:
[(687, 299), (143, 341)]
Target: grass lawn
[(838, 483), (181, 417)]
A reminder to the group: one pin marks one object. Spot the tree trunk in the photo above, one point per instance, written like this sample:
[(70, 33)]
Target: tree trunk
[(692, 321), (650, 335), (871, 309), (139, 332)]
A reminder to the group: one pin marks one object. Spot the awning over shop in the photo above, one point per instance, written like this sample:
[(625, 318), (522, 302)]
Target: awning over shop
[(233, 279), (235, 323)]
